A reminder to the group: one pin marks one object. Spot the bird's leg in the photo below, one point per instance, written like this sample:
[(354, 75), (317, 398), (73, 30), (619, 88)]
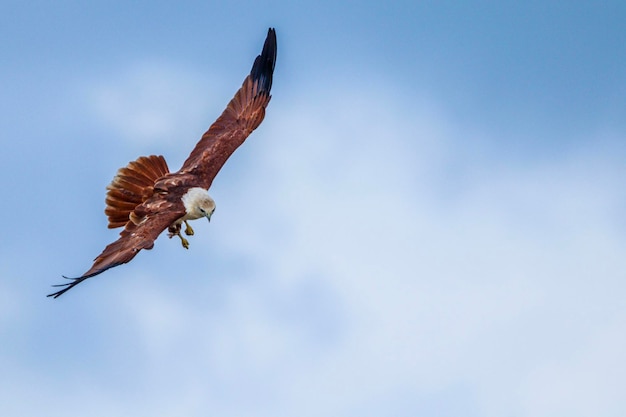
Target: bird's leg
[(188, 229), (184, 241), (174, 230)]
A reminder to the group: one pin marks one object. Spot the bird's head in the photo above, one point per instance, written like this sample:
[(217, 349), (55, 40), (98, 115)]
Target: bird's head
[(206, 207), (198, 203)]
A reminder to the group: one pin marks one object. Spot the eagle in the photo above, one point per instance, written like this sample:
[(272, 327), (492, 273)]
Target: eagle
[(145, 198)]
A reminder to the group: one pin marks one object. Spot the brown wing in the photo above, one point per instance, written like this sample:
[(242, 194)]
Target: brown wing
[(156, 215), (131, 186), (244, 113)]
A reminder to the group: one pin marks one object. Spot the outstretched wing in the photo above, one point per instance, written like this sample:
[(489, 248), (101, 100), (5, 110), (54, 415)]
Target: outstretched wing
[(244, 113), (156, 217)]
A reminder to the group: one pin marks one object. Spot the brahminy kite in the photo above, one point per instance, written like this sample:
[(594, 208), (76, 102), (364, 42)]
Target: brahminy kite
[(145, 198)]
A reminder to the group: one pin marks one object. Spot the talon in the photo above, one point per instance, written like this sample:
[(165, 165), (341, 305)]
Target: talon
[(174, 230), (188, 229), (183, 241)]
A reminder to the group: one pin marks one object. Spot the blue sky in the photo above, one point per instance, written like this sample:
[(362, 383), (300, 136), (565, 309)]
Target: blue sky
[(430, 220)]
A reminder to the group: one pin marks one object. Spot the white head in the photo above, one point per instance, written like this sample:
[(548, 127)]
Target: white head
[(198, 204)]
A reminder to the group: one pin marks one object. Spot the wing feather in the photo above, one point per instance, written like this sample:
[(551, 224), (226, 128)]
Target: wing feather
[(160, 214), (242, 115)]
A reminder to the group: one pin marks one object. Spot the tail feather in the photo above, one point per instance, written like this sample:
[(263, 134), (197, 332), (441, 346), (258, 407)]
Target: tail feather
[(134, 177), (118, 201), (132, 181), (131, 186), (154, 167)]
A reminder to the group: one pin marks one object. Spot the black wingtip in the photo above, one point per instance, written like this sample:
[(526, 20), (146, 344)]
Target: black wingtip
[(75, 281), (263, 68), (68, 286)]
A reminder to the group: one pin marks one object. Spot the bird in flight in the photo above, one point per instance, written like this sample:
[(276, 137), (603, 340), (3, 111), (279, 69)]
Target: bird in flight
[(146, 198)]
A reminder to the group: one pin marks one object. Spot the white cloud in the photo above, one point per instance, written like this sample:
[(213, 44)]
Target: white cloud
[(405, 292), (586, 379), (152, 103), (433, 294), (339, 279)]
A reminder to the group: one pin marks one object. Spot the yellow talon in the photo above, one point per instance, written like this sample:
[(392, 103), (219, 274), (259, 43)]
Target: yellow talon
[(188, 229), (174, 230)]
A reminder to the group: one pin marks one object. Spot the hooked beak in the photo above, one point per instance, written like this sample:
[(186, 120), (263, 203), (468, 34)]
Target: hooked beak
[(208, 216)]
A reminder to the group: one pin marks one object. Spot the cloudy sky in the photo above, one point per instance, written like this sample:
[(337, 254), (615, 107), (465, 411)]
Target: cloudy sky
[(429, 222)]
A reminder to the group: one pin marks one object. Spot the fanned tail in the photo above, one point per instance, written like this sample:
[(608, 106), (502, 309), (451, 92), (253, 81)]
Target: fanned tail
[(131, 186)]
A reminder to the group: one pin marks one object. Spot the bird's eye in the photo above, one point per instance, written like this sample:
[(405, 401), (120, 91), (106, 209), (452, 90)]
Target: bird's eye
[(202, 210)]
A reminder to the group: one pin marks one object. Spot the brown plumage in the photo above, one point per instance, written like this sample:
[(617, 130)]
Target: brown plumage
[(131, 186), (145, 198)]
